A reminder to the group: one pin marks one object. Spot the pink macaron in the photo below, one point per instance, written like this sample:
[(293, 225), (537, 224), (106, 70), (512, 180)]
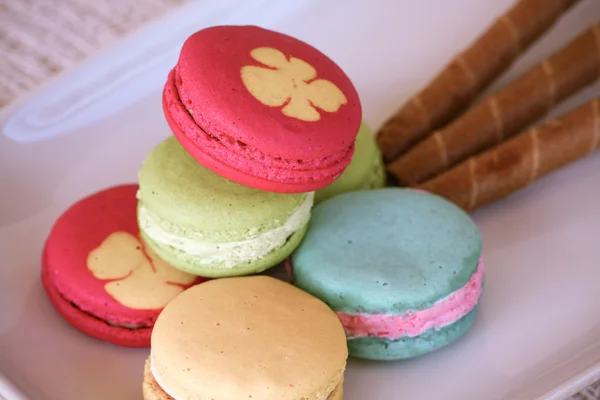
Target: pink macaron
[(101, 277), (262, 109)]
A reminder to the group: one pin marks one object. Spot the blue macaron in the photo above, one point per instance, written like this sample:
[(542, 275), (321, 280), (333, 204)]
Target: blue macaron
[(401, 268)]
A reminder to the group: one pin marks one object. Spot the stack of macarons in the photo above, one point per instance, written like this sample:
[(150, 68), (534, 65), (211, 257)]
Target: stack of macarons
[(260, 121), (269, 161)]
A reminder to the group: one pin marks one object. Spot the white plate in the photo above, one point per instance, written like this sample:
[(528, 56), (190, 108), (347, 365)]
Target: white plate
[(538, 331)]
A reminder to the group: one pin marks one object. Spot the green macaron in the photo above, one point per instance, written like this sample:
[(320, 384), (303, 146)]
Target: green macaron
[(365, 172), (207, 225)]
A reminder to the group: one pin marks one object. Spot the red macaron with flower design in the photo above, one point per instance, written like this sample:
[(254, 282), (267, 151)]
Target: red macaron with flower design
[(100, 275), (262, 109)]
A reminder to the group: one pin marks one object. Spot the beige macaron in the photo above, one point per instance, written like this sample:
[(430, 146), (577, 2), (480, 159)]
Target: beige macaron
[(246, 338)]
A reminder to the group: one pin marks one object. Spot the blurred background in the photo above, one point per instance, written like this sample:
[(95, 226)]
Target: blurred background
[(41, 38)]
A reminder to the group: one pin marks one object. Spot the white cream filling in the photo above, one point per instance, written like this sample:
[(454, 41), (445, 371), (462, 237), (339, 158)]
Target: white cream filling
[(168, 391), (230, 253)]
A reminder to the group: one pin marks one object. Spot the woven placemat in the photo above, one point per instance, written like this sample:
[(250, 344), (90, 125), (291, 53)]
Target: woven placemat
[(40, 38), (591, 392)]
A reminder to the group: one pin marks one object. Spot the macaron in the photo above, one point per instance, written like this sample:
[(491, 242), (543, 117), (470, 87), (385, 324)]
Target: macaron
[(246, 338), (366, 170), (101, 276), (262, 109), (402, 269), (210, 226)]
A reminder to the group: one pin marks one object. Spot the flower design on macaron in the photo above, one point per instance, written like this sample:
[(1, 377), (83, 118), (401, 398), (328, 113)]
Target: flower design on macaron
[(290, 83), (138, 278)]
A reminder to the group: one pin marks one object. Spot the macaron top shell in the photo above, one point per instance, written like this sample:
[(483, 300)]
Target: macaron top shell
[(96, 260), (386, 251), (195, 201), (269, 92), (251, 337)]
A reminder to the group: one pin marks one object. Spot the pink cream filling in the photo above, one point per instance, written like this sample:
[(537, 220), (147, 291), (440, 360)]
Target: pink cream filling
[(414, 323)]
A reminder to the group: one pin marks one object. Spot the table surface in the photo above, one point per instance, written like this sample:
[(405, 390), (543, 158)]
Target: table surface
[(42, 38)]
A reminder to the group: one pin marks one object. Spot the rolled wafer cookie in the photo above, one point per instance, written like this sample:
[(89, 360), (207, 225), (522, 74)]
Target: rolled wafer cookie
[(506, 113), (503, 170), (468, 74)]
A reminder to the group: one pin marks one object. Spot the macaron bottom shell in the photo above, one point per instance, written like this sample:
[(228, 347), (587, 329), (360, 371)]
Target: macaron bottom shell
[(193, 265), (151, 390), (318, 179), (91, 325), (381, 349)]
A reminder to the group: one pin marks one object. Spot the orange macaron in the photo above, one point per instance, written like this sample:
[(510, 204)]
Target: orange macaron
[(246, 338)]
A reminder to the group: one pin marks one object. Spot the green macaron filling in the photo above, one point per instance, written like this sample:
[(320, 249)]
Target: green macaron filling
[(227, 253)]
